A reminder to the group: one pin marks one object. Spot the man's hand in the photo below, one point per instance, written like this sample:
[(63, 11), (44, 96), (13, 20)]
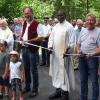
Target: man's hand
[(96, 53), (80, 54), (90, 56), (50, 50), (67, 51)]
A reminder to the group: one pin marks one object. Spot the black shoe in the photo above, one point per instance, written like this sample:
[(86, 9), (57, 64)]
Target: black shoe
[(47, 65), (6, 95), (65, 95), (42, 64), (56, 94), (26, 90), (33, 94), (1, 96)]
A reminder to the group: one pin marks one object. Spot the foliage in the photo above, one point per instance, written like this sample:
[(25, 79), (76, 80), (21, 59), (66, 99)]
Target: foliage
[(74, 8), (10, 9), (40, 8)]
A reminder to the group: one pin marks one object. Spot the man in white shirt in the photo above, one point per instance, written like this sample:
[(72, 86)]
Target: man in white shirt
[(47, 30)]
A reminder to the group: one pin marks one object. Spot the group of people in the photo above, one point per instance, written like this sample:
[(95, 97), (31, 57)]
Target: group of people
[(9, 61), (62, 40)]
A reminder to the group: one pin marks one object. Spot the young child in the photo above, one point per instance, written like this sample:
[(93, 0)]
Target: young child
[(4, 83), (16, 74)]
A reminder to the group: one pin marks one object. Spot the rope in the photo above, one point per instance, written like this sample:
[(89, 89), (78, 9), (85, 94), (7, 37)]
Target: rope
[(26, 43), (73, 54)]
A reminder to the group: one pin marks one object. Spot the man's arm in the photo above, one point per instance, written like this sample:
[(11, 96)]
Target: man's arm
[(78, 46), (96, 53), (40, 32), (37, 39)]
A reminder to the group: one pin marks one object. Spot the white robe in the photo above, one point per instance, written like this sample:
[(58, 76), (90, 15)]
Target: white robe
[(62, 73), (7, 35)]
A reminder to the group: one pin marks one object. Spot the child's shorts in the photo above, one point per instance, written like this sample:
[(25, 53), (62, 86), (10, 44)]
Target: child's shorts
[(16, 84), (4, 82)]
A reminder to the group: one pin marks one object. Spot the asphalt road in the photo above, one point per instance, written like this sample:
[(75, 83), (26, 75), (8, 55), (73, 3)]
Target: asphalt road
[(45, 87)]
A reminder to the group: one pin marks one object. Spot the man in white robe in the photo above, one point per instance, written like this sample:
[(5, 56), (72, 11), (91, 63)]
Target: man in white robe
[(61, 41)]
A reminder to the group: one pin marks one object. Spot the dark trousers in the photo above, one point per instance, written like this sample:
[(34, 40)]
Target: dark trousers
[(45, 53), (89, 66), (30, 66)]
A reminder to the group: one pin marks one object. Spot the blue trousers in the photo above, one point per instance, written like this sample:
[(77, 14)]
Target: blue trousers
[(89, 67), (30, 66)]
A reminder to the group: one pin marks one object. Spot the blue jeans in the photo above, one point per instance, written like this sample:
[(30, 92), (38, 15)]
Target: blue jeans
[(89, 66), (30, 66)]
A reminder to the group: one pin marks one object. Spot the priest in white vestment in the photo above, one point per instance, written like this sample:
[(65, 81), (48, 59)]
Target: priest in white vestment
[(61, 70)]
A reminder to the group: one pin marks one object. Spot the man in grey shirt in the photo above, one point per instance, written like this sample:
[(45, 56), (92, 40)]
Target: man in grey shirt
[(89, 43)]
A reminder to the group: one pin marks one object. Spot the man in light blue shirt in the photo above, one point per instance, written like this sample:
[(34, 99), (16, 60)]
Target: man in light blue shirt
[(89, 43)]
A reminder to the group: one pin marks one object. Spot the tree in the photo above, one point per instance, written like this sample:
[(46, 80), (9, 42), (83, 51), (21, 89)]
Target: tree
[(40, 8), (73, 8), (10, 9)]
